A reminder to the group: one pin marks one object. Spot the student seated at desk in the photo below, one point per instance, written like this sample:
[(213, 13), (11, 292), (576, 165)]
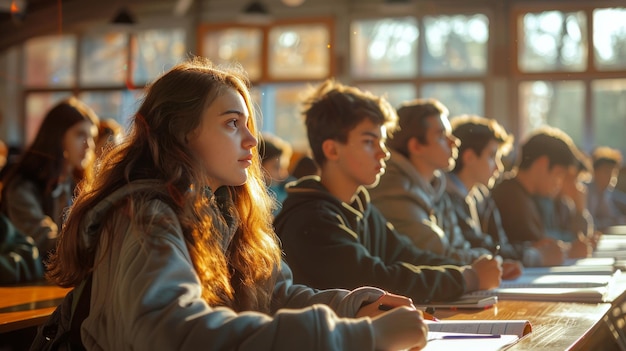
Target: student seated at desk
[(544, 160), (411, 194), (175, 230), (334, 237), (40, 186), (603, 199), (483, 142)]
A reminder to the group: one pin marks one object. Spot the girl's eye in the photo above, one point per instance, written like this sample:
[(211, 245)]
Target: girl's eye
[(233, 123)]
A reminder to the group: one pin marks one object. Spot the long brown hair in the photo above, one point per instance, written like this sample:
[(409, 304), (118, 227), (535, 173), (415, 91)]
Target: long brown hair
[(156, 148), (42, 162)]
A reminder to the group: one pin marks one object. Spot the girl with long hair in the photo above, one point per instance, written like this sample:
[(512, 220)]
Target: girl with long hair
[(40, 186), (175, 232)]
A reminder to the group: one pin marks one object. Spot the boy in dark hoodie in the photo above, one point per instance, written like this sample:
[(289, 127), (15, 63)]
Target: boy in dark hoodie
[(333, 237)]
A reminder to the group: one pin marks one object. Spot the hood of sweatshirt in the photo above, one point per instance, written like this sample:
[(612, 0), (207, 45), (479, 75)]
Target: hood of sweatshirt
[(309, 189), (92, 222)]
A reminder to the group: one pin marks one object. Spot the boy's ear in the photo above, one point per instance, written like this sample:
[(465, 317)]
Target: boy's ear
[(414, 146), (468, 156), (542, 162), (329, 147)]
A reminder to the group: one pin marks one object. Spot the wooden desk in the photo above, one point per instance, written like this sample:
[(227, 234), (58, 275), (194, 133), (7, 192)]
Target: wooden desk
[(27, 306), (556, 325)]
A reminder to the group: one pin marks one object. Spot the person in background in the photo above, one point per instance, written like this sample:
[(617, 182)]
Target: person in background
[(109, 131), (483, 142), (275, 157), (411, 194), (565, 215), (333, 236), (175, 232), (602, 196), (544, 160), (4, 155), (305, 166), (40, 186)]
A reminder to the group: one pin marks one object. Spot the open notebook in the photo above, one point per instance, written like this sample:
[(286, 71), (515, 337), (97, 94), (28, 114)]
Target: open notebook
[(592, 288), (479, 335)]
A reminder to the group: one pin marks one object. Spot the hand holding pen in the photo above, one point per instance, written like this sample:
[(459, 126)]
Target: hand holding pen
[(398, 326)]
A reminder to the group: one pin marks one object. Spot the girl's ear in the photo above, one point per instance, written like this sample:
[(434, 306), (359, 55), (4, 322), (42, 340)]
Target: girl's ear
[(329, 147)]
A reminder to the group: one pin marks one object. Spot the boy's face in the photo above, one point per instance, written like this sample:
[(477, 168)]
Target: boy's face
[(440, 149), (605, 176), (362, 158), (550, 180), (488, 165)]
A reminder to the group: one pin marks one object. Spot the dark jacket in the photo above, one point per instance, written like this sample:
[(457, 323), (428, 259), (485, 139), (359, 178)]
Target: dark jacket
[(329, 243)]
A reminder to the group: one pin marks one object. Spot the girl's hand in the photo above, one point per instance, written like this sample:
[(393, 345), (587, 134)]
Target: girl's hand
[(400, 328), (384, 303)]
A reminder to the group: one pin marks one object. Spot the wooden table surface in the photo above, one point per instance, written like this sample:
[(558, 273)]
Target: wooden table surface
[(27, 306), (556, 325)]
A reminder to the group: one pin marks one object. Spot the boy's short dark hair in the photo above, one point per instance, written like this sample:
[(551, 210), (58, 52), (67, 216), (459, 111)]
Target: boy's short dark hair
[(551, 142), (412, 117), (475, 133), (335, 109), (271, 146), (604, 155)]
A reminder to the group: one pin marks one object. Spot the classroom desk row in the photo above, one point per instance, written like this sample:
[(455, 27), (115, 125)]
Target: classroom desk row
[(556, 325)]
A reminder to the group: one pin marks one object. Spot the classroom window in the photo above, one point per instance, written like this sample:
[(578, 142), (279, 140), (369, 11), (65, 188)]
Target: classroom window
[(281, 104), (119, 105), (384, 48), (560, 86), (299, 51), (103, 79), (455, 45), (396, 94), (459, 98), (609, 38), (50, 61), (553, 41), (104, 59), (609, 111), (153, 52), (242, 45), (558, 104)]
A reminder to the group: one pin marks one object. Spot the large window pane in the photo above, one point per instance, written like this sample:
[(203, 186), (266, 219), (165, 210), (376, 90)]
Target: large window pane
[(50, 61), (394, 93), (557, 104), (459, 98), (609, 38), (384, 48), (154, 52), (282, 112), (104, 59), (553, 41), (119, 105), (609, 112), (299, 51), (242, 45), (455, 45), (37, 106)]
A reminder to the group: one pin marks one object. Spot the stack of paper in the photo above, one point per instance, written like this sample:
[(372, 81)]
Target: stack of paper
[(479, 335)]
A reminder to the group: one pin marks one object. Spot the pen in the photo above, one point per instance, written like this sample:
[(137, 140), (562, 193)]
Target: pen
[(428, 316), (496, 250)]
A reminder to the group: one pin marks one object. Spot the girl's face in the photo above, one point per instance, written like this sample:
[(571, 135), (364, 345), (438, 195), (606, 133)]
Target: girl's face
[(78, 145), (223, 141)]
